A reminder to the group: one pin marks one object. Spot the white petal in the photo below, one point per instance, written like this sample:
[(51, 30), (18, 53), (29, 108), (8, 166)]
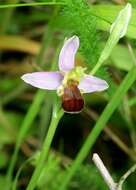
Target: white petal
[(92, 84), (67, 54), (43, 80)]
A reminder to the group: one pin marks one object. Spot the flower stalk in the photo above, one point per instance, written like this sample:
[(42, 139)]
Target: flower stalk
[(56, 116)]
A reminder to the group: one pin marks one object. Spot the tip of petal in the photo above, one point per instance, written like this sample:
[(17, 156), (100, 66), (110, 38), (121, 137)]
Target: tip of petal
[(26, 77), (76, 40), (106, 85), (72, 39), (23, 77)]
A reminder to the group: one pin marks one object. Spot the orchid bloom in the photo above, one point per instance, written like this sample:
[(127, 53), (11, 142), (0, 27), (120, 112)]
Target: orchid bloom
[(70, 81)]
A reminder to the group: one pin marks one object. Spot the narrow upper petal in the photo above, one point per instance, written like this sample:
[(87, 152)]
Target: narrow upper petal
[(92, 84), (44, 80), (67, 54)]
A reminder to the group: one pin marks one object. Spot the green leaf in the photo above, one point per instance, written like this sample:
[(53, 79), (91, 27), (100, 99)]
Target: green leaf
[(106, 15)]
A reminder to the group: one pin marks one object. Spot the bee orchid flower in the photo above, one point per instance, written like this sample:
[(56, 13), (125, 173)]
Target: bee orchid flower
[(70, 81)]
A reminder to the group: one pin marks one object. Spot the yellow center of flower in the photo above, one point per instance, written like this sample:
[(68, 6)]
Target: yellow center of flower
[(73, 76)]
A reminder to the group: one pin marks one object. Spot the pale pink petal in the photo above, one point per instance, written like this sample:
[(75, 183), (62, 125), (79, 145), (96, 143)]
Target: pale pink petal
[(44, 80), (92, 84), (67, 54)]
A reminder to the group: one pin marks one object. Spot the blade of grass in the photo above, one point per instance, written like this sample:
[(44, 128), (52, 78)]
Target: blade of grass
[(126, 113), (30, 4), (114, 137), (28, 120), (14, 187)]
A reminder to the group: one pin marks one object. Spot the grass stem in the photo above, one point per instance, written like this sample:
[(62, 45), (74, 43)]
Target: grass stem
[(45, 149)]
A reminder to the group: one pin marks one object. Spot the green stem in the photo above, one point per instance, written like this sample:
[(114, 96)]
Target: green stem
[(14, 186), (45, 149), (108, 111), (111, 42), (45, 116), (127, 117), (125, 176), (30, 4), (28, 120)]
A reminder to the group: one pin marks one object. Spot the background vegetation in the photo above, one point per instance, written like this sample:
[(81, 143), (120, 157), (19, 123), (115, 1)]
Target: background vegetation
[(31, 37)]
